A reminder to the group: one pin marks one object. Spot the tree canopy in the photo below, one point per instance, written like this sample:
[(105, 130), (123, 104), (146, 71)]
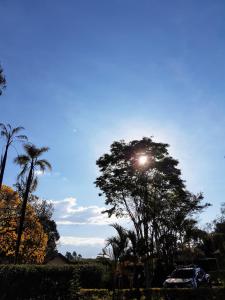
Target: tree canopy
[(33, 240), (142, 182)]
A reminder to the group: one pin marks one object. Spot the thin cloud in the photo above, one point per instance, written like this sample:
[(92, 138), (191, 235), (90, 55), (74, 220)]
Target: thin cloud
[(81, 241)]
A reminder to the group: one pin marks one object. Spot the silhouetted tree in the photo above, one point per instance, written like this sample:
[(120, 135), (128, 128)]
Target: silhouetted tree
[(10, 135), (73, 256), (141, 181), (2, 81), (69, 256), (29, 162), (118, 244)]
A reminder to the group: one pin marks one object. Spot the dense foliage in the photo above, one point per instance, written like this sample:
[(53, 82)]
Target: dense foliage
[(44, 211), (142, 182), (155, 294), (45, 282), (24, 282), (34, 239)]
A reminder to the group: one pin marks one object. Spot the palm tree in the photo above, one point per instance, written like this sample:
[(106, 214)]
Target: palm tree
[(29, 162), (118, 243), (10, 135)]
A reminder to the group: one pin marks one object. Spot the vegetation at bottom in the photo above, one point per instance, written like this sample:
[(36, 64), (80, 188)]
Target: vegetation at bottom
[(83, 282), (154, 294), (33, 281)]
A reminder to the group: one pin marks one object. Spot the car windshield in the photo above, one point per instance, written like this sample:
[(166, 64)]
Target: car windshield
[(185, 273)]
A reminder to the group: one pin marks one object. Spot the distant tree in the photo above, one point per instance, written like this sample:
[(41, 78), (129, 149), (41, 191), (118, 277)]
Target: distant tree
[(2, 81), (69, 256), (10, 135), (73, 256), (141, 181), (29, 162)]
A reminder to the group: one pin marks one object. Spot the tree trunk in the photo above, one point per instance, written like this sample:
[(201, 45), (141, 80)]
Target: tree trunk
[(3, 164), (23, 212), (147, 274)]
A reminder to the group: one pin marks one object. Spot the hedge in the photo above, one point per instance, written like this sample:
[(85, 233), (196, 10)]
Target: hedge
[(63, 283), (218, 277), (155, 294), (51, 282)]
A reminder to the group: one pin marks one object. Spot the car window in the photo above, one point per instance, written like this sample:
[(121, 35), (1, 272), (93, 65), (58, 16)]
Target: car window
[(200, 273), (183, 273)]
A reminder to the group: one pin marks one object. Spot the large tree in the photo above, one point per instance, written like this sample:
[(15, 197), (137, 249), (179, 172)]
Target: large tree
[(141, 181), (33, 240), (10, 135), (29, 162)]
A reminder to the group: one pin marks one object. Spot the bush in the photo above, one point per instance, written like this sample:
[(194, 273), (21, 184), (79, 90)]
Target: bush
[(51, 282), (62, 283), (155, 294), (218, 277), (25, 282), (91, 276)]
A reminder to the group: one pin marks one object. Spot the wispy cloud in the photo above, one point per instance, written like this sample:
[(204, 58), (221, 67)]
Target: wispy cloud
[(39, 173), (82, 241)]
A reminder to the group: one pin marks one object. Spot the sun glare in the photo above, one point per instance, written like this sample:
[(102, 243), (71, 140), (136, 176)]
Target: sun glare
[(142, 160)]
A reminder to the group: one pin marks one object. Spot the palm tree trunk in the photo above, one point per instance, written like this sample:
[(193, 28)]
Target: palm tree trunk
[(23, 212), (3, 164)]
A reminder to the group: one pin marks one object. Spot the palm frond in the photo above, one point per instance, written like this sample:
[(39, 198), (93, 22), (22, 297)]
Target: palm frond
[(3, 127), (31, 150), (43, 164), (4, 133), (112, 241), (21, 137), (42, 150), (120, 230), (9, 126), (17, 129), (22, 160)]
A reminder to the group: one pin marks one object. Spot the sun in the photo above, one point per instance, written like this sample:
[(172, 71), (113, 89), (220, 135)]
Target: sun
[(142, 160)]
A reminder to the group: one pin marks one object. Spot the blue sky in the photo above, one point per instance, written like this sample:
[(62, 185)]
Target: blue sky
[(82, 73)]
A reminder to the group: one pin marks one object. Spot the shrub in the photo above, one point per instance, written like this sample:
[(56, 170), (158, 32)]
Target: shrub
[(155, 294), (32, 281)]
